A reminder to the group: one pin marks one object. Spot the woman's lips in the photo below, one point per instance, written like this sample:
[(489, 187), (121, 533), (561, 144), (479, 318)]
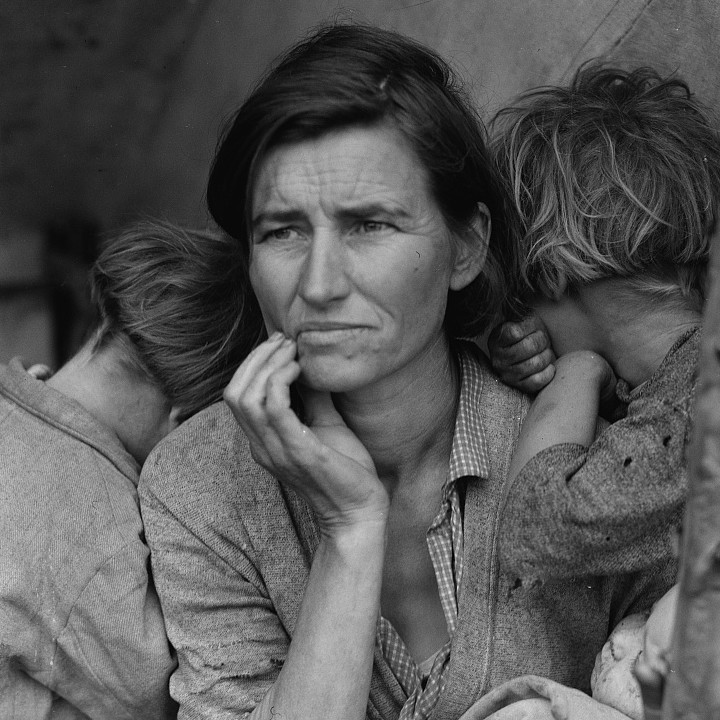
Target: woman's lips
[(322, 335)]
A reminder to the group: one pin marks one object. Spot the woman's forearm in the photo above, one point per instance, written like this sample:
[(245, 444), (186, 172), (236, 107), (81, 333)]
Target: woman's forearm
[(329, 664)]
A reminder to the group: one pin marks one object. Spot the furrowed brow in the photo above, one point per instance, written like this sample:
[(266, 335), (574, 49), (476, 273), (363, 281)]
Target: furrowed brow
[(275, 216), (356, 212)]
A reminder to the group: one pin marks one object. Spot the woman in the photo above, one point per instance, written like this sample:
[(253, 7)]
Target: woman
[(331, 553), (81, 630)]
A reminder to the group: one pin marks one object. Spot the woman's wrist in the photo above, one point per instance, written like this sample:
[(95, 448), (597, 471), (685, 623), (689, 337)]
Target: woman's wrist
[(357, 527)]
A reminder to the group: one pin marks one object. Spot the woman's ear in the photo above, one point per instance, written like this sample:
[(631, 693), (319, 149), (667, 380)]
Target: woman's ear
[(472, 249)]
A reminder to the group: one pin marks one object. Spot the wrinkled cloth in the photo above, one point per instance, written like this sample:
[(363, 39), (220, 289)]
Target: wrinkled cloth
[(536, 698), (232, 550), (575, 511), (469, 458), (81, 631)]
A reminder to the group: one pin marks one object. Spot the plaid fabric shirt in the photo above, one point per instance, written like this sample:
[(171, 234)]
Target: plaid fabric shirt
[(445, 544)]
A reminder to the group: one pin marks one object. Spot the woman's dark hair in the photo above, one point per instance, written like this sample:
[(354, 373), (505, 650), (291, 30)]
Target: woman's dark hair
[(357, 75)]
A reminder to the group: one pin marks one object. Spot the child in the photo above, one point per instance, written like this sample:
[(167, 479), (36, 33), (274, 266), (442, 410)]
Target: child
[(616, 181), (616, 185), (81, 631)]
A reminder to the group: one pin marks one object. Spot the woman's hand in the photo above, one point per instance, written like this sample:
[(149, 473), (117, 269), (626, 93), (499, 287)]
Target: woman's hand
[(322, 460), (326, 673)]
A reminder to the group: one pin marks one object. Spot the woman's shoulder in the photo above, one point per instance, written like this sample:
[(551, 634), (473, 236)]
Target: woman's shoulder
[(213, 428), (209, 449), (498, 409), (495, 395), (203, 477)]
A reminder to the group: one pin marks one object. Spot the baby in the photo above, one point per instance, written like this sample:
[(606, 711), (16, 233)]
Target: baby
[(638, 649)]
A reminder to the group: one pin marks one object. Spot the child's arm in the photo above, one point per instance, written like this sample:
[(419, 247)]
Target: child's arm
[(565, 410), (578, 507)]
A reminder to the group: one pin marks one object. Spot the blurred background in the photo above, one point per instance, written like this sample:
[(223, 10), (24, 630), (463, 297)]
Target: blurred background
[(110, 109)]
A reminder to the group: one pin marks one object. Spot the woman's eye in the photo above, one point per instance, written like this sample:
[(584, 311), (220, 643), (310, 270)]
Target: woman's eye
[(282, 234), (373, 226)]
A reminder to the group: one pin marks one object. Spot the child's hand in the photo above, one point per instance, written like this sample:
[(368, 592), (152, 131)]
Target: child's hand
[(521, 354)]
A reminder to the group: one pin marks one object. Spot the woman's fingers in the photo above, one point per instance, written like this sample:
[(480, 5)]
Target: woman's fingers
[(248, 385), (254, 363), (277, 383), (265, 376), (259, 397), (319, 408), (322, 460)]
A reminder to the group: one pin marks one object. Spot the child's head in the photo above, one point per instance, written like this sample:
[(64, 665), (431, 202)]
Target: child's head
[(616, 175), (171, 301)]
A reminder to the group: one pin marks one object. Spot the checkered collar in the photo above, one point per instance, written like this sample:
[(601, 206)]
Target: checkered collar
[(469, 455)]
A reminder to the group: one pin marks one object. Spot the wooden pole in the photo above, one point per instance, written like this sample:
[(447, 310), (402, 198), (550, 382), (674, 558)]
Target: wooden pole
[(692, 690)]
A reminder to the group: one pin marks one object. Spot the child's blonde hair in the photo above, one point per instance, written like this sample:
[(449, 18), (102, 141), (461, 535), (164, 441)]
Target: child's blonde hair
[(616, 175)]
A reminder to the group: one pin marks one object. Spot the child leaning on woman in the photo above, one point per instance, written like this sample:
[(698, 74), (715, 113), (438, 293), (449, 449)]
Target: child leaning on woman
[(616, 184)]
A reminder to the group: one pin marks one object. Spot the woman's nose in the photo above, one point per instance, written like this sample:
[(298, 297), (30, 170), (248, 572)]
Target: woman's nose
[(324, 275)]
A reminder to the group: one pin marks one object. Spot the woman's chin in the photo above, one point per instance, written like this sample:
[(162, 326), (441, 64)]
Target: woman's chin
[(331, 375)]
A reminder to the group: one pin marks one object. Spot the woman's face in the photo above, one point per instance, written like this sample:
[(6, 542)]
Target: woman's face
[(351, 257)]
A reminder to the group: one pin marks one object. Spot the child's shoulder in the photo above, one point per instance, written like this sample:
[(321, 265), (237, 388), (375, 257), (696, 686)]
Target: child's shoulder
[(674, 380)]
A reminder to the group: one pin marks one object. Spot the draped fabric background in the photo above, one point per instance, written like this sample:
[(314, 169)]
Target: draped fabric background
[(111, 108)]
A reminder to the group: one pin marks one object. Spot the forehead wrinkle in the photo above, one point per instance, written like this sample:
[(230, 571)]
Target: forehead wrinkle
[(370, 188), (341, 178), (273, 186)]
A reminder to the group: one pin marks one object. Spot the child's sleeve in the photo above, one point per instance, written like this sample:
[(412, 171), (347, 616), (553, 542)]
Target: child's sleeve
[(611, 508)]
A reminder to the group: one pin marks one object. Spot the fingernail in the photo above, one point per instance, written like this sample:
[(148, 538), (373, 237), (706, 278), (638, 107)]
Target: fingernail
[(275, 336)]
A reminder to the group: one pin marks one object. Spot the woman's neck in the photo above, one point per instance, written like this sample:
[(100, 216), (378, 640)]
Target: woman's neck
[(407, 421)]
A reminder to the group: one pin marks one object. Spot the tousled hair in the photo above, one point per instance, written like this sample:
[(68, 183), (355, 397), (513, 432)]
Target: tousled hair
[(173, 300), (615, 175), (351, 75)]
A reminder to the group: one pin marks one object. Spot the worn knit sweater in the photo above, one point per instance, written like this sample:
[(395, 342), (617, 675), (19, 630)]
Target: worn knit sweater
[(231, 553), (575, 511)]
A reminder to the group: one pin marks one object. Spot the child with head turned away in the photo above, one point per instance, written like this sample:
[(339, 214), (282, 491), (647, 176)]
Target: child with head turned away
[(81, 630), (616, 184)]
